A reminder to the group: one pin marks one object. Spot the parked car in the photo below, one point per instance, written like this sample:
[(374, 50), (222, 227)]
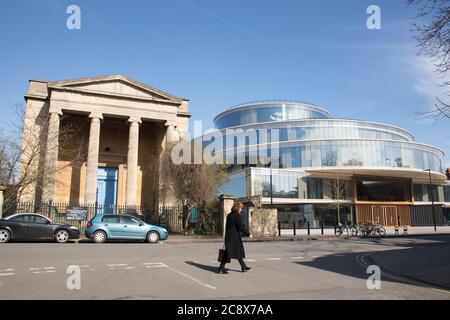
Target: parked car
[(123, 227), (32, 226)]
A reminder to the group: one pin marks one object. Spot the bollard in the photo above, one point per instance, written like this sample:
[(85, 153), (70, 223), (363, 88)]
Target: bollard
[(335, 231), (279, 229), (321, 228), (309, 229), (295, 231)]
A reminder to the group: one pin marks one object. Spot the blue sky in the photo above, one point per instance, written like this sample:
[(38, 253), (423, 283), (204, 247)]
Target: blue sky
[(222, 53)]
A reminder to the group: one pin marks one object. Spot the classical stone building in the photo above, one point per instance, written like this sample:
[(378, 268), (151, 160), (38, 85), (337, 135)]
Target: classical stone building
[(121, 128)]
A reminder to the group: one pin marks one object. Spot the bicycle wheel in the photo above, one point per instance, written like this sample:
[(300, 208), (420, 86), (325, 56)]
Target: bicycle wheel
[(381, 231)]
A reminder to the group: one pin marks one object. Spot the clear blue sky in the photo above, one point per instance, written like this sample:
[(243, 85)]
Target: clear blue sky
[(221, 53)]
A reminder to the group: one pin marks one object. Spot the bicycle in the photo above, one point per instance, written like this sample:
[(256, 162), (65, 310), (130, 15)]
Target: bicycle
[(372, 229)]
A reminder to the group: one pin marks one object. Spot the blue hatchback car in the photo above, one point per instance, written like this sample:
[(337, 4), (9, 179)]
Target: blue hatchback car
[(123, 227)]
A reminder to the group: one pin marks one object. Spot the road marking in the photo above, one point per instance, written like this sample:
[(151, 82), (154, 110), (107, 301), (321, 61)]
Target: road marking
[(149, 267), (250, 260), (190, 277), (50, 271), (117, 265), (49, 268), (274, 259), (6, 274), (295, 258), (6, 270), (151, 263)]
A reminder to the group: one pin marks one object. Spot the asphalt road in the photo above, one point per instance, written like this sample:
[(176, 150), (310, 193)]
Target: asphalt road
[(318, 269)]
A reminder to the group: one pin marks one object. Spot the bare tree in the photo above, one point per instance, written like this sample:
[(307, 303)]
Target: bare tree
[(433, 39), (22, 161), (338, 192), (191, 184)]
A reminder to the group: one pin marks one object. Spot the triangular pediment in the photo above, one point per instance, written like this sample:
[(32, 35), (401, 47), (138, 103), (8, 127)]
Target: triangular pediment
[(116, 85)]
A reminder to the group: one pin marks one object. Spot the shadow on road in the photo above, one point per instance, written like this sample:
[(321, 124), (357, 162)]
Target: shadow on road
[(207, 267), (418, 261)]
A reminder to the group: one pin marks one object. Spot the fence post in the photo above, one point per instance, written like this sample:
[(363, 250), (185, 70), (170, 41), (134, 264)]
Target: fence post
[(309, 229), (321, 228), (49, 209), (2, 188), (295, 230)]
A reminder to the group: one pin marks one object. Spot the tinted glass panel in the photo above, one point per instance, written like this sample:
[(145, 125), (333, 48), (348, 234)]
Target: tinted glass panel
[(372, 190)]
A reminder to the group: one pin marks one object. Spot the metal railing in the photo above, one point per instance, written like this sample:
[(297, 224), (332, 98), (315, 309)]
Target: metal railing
[(173, 218)]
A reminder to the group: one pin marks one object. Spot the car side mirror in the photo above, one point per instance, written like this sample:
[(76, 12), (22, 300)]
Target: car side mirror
[(141, 224)]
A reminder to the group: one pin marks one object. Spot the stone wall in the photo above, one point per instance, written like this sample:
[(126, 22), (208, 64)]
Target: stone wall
[(263, 222)]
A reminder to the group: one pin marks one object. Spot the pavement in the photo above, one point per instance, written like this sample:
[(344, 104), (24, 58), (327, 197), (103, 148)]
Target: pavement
[(412, 268)]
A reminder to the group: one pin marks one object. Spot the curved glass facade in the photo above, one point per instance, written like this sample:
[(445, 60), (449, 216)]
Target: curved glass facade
[(267, 112), (309, 138)]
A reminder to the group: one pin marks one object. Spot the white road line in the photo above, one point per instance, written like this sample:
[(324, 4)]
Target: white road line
[(251, 260), (50, 271), (274, 259), (6, 274), (154, 266), (127, 268), (151, 263), (49, 268), (189, 277), (295, 258), (6, 270), (117, 265)]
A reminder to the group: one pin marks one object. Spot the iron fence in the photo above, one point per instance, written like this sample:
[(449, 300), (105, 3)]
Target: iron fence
[(174, 218)]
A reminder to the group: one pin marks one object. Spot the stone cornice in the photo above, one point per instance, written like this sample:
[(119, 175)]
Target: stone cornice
[(35, 96), (184, 114), (113, 95)]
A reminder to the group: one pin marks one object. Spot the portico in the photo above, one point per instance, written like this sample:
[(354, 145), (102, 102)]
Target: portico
[(118, 129)]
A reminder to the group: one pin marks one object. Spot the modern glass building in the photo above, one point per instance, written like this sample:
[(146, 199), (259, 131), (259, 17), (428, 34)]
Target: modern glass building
[(296, 157)]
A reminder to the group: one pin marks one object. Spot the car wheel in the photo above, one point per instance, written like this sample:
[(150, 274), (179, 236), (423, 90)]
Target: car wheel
[(5, 236), (99, 236), (61, 236), (153, 237)]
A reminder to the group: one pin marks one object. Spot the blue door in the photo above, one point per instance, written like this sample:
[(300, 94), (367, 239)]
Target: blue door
[(107, 189)]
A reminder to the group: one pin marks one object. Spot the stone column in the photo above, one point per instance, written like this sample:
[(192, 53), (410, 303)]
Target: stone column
[(132, 163), (1, 200), (90, 192), (51, 154)]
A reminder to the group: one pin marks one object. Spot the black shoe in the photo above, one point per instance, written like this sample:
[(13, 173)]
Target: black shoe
[(222, 271), (245, 269)]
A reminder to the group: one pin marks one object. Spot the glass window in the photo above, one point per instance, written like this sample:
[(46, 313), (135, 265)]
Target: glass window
[(447, 193), (314, 188), (418, 192), (19, 218), (111, 219), (383, 190), (32, 218), (130, 220)]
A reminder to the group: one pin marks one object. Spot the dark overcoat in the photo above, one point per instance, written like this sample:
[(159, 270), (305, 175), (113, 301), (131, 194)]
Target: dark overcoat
[(233, 240)]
